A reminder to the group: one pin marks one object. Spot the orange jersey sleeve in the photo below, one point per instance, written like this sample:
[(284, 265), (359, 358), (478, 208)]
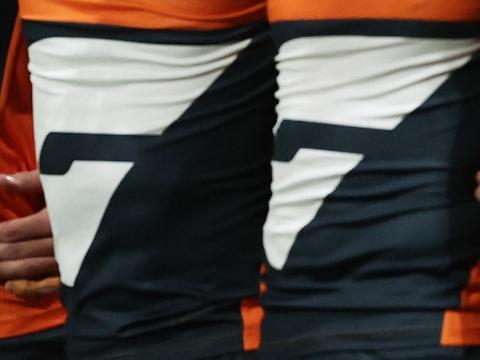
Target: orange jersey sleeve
[(444, 10), (20, 316), (148, 14)]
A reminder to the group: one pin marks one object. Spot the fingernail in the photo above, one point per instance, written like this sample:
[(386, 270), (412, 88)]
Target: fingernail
[(11, 179), (8, 182)]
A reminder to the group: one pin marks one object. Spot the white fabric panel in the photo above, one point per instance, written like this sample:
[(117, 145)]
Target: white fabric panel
[(369, 82), (299, 189), (119, 87)]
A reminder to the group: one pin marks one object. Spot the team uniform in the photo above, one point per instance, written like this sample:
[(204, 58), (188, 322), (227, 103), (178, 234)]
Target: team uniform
[(30, 329), (153, 126), (373, 229)]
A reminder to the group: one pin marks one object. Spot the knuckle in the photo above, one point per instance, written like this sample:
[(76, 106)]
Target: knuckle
[(50, 265), (2, 231), (6, 272), (26, 268), (9, 251), (8, 231)]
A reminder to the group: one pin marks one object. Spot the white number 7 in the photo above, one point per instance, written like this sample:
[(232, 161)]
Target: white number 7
[(77, 202), (298, 192)]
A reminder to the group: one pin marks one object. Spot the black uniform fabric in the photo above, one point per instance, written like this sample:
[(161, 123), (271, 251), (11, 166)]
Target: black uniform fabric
[(47, 345)]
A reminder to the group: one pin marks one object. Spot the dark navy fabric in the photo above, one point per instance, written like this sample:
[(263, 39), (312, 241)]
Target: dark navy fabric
[(47, 345), (39, 30), (288, 30), (421, 353)]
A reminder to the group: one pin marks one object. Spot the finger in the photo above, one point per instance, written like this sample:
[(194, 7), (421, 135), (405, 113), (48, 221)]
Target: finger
[(478, 177), (32, 288), (27, 182), (26, 249), (35, 226), (477, 193), (28, 269)]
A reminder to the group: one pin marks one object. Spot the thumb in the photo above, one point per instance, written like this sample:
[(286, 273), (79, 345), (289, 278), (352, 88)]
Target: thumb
[(33, 288), (27, 182)]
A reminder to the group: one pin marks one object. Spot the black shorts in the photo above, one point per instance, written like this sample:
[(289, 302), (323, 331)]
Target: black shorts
[(46, 345), (421, 353), (237, 356), (157, 356)]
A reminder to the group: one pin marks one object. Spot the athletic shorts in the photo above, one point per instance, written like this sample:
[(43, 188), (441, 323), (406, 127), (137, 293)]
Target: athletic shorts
[(157, 356), (46, 345), (420, 353)]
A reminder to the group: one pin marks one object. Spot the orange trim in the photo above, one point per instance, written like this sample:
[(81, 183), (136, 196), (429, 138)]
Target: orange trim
[(15, 54), (16, 128), (21, 317), (263, 288), (16, 91), (438, 10), (148, 14), (263, 284), (470, 298), (263, 269), (252, 316), (462, 327)]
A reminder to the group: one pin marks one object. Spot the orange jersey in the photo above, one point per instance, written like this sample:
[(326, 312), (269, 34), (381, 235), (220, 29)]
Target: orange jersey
[(148, 14), (444, 10), (20, 316)]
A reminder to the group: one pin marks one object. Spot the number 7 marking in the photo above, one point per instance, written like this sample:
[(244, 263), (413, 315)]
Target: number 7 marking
[(304, 175), (80, 174)]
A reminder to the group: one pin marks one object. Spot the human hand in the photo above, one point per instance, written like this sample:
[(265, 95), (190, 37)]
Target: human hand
[(27, 264)]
